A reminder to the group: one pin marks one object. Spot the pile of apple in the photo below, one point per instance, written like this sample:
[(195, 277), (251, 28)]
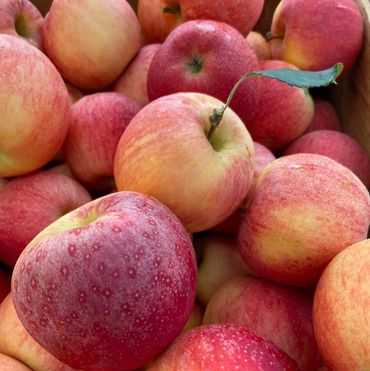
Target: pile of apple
[(134, 235)]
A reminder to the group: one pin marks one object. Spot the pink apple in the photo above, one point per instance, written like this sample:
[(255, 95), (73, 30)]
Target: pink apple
[(283, 113), (29, 203), (91, 41), (305, 209), (259, 44), (206, 57), (316, 34), (325, 116), (5, 278), (279, 314), (338, 146), (220, 261), (222, 347), (11, 364), (158, 18), (21, 18), (164, 152), (133, 80), (16, 342), (341, 309), (109, 285), (34, 108), (97, 123)]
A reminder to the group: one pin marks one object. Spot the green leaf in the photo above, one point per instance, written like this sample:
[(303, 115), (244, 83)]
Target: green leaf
[(304, 79)]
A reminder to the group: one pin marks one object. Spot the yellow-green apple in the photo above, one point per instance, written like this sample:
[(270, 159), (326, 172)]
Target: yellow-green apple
[(259, 45), (5, 278), (29, 203), (325, 116), (16, 342), (158, 18), (165, 152), (305, 209), (97, 123), (21, 18), (133, 80), (280, 314), (222, 347), (283, 112), (91, 41), (34, 108), (196, 317), (109, 285), (11, 364), (207, 57), (220, 261), (341, 310), (336, 145), (316, 34)]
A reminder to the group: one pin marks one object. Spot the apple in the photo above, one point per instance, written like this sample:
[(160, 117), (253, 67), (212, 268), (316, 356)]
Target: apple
[(280, 314), (29, 203), (325, 116), (5, 278), (305, 209), (283, 112), (133, 80), (74, 93), (206, 57), (316, 34), (105, 35), (336, 145), (158, 18), (21, 18), (196, 317), (222, 347), (97, 123), (165, 152), (2, 183), (11, 364), (16, 342), (61, 168), (220, 261), (109, 285), (259, 45), (31, 132), (341, 309)]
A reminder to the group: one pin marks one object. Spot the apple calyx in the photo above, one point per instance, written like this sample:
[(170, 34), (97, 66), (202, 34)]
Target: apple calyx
[(21, 26), (176, 9)]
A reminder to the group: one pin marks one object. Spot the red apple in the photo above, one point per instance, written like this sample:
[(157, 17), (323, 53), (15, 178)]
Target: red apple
[(259, 44), (34, 108), (21, 18), (11, 364), (305, 209), (109, 285), (5, 278), (133, 80), (338, 146), (222, 347), (341, 309), (159, 17), (206, 57), (325, 116), (316, 34), (97, 123), (29, 203), (91, 41), (165, 152), (279, 314)]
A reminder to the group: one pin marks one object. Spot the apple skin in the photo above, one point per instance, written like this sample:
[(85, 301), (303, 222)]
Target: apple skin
[(156, 24), (164, 152), (312, 207), (336, 145), (133, 80), (277, 313), (105, 35), (97, 123), (222, 347), (325, 116), (108, 285), (36, 200), (206, 57), (5, 279), (259, 45), (21, 18), (11, 364), (30, 133), (21, 345), (341, 309), (283, 112), (316, 34)]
